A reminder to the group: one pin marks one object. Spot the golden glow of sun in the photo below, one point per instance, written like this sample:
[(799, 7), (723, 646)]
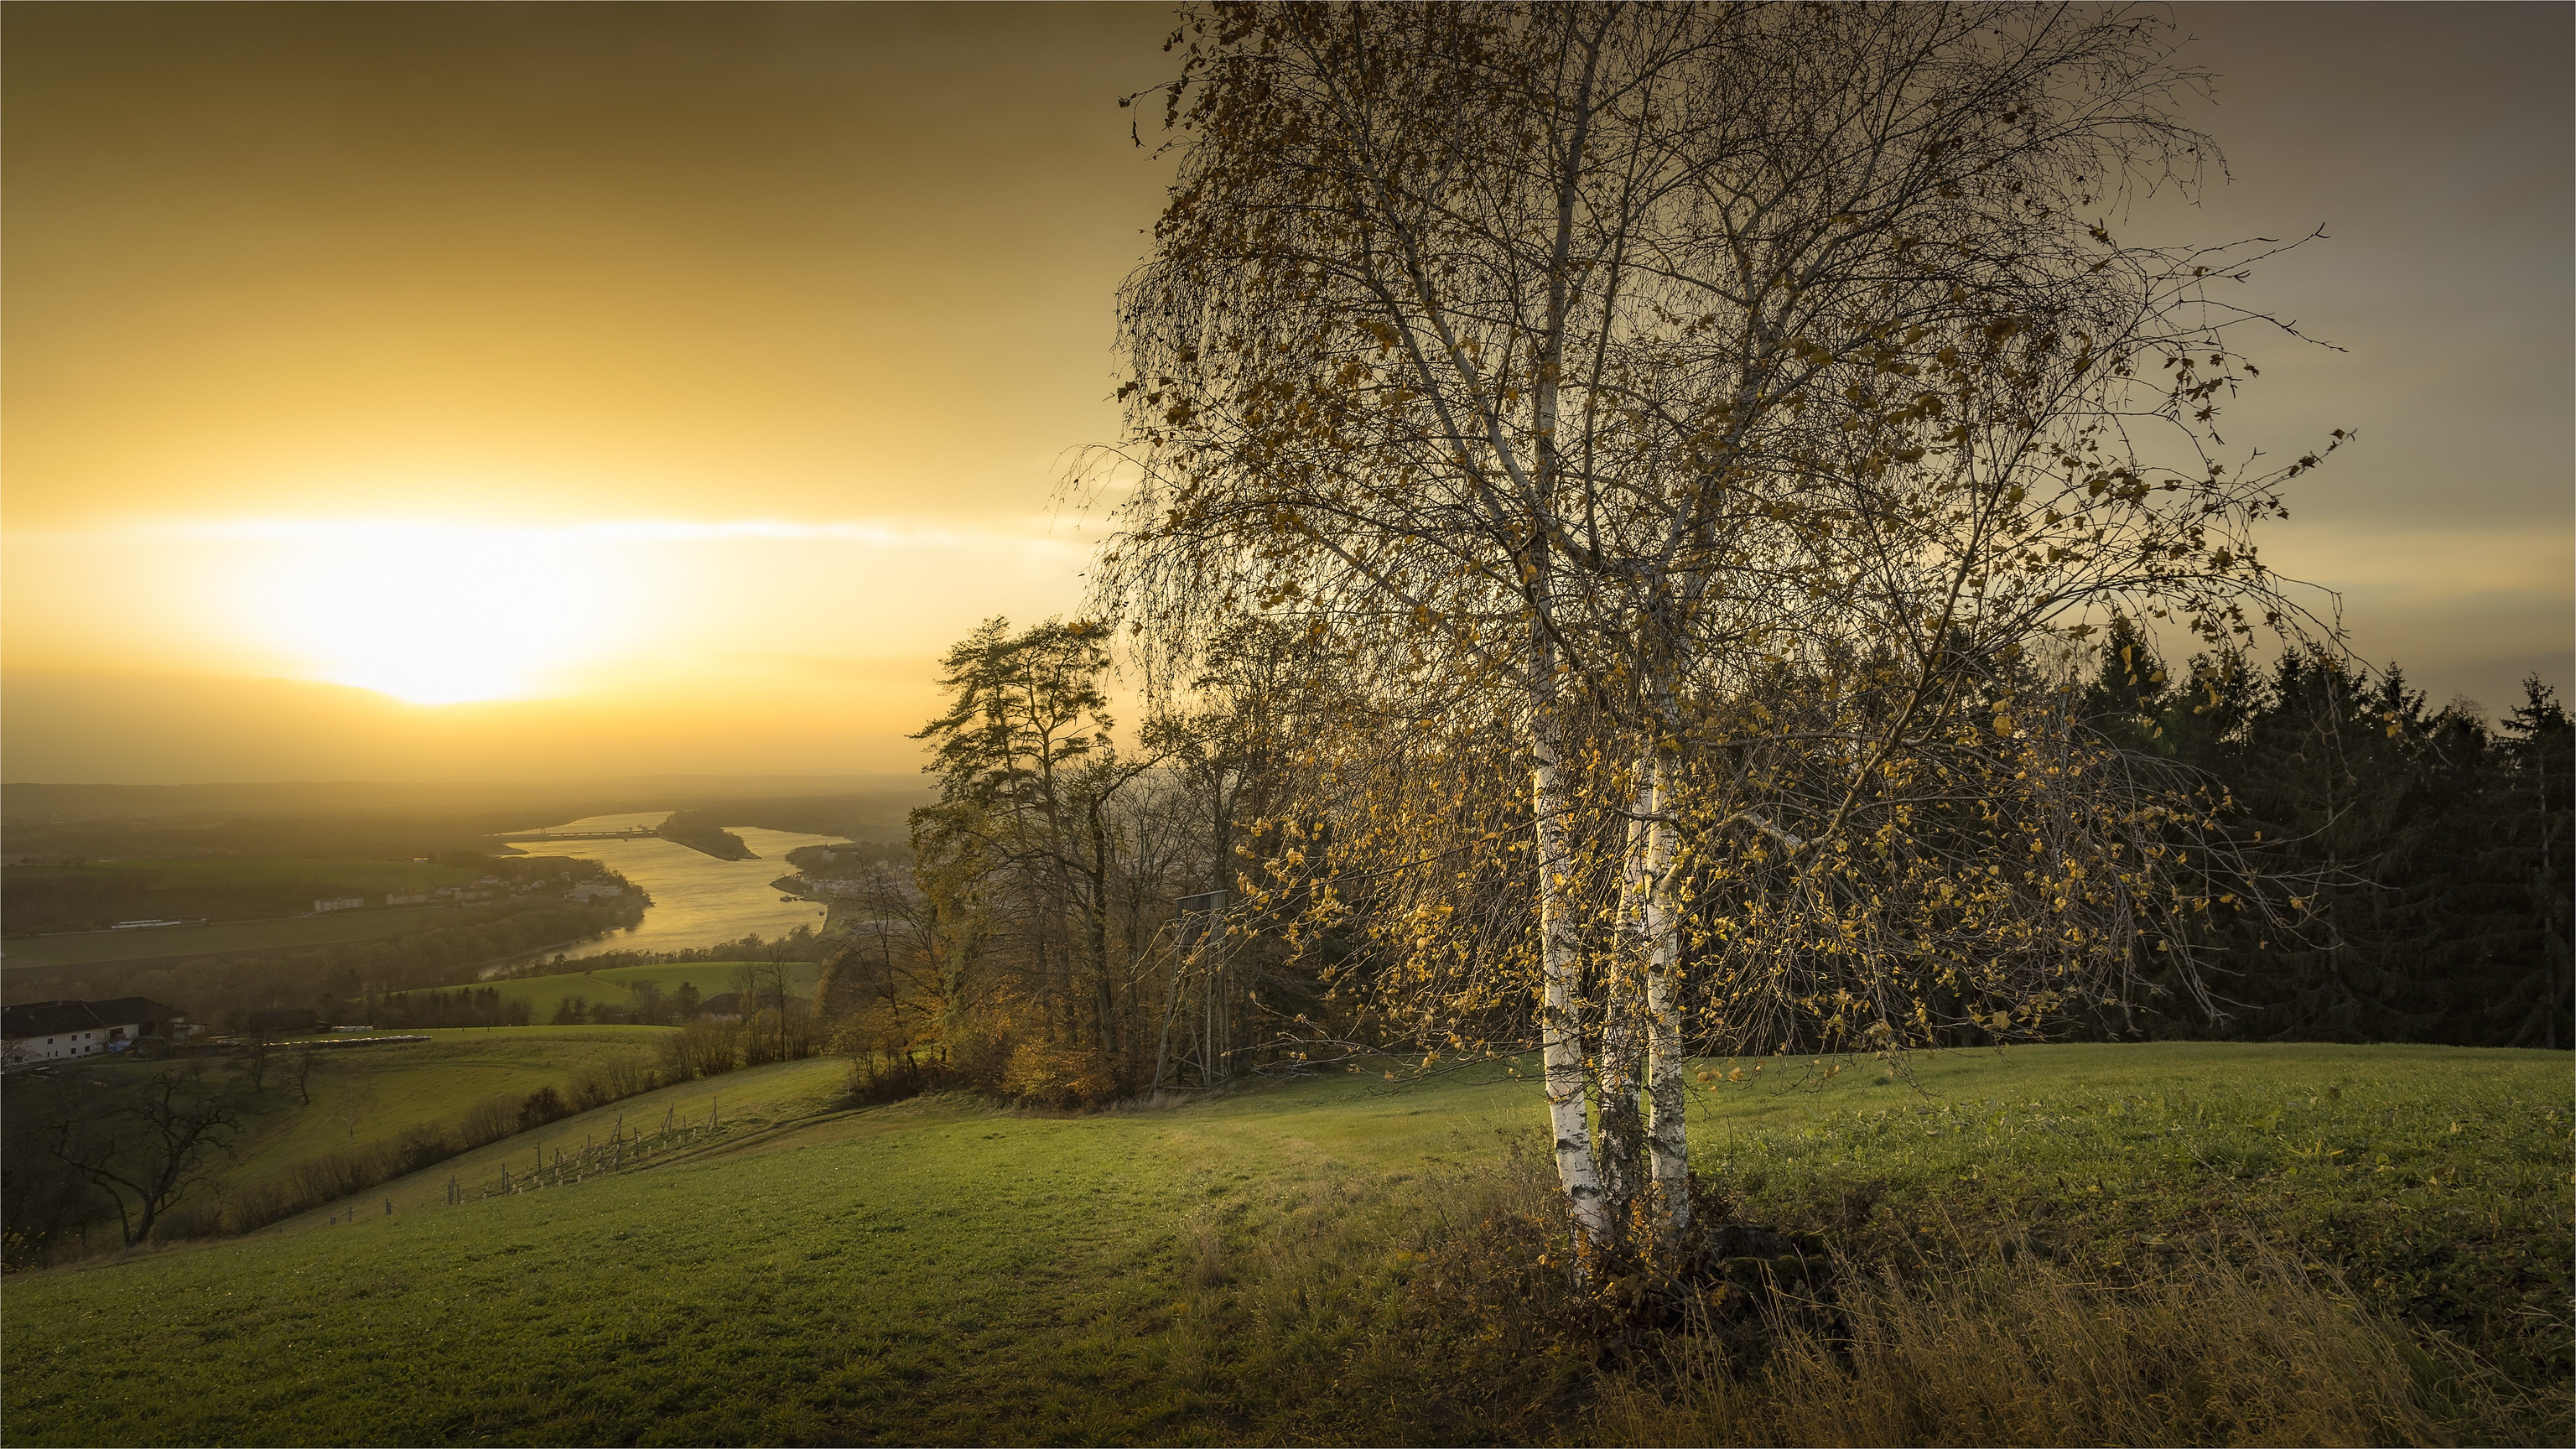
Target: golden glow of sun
[(431, 613)]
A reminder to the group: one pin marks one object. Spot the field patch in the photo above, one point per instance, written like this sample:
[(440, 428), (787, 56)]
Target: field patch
[(294, 871), (364, 1099), (615, 985), (336, 928), (748, 1106), (1238, 1269)]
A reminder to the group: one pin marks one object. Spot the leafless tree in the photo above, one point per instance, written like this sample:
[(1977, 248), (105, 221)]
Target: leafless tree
[(144, 1145)]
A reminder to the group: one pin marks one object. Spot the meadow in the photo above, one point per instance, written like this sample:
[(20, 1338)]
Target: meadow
[(614, 986), (1307, 1261), (364, 1100), (96, 948)]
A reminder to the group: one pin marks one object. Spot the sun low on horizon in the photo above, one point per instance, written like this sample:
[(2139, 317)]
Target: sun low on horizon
[(430, 613)]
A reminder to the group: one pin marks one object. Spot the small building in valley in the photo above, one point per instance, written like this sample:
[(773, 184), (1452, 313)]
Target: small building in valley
[(53, 1031), (339, 903)]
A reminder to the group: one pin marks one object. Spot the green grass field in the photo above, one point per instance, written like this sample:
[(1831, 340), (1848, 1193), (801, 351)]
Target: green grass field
[(366, 1096), (751, 1104), (92, 948), (615, 985), (402, 1085), (1237, 1270)]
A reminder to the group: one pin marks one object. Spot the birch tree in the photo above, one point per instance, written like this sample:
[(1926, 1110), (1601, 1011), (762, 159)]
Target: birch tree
[(1733, 414)]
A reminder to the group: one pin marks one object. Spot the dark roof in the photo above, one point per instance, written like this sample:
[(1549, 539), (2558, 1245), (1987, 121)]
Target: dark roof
[(725, 1004), (47, 1018), (134, 1008)]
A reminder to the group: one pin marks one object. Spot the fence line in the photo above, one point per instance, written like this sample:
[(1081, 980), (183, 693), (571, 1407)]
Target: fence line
[(622, 1151)]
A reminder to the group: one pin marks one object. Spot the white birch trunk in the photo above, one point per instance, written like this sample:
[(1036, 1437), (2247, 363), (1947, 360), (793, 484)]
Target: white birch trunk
[(1560, 968), (1668, 1142)]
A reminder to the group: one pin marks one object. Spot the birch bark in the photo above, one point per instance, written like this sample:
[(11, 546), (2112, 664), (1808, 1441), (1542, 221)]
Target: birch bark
[(1561, 960), (1668, 1142)]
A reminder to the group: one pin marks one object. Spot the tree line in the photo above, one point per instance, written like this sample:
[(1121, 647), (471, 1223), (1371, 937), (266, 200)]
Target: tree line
[(2435, 845), (1042, 942)]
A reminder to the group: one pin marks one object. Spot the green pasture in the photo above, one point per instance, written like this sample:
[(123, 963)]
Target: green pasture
[(366, 1095), (750, 1105), (615, 985), (405, 1084), (91, 948), (944, 1271)]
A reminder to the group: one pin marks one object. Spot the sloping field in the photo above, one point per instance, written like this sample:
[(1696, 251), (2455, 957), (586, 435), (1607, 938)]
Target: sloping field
[(615, 985), (367, 1096), (337, 928), (385, 1089), (1237, 1270), (748, 1105)]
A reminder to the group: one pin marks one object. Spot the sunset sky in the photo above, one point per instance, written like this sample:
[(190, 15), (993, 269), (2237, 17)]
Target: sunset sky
[(504, 391)]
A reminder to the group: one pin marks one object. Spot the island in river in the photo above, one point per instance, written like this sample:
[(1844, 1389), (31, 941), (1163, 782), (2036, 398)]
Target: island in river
[(698, 830)]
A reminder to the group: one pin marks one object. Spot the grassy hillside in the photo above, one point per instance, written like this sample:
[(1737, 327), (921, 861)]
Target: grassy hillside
[(373, 1095), (750, 1106), (1262, 1267), (615, 985)]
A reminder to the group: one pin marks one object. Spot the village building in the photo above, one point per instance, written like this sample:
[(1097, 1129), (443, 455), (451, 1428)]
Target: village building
[(54, 1031)]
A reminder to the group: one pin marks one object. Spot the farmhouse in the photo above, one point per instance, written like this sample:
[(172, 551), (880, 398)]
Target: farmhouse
[(48, 1031), (339, 903)]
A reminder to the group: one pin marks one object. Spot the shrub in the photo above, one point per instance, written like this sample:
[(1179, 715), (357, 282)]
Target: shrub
[(671, 1057), (1060, 1075), (613, 1081), (421, 1145), (490, 1120), (711, 1048), (981, 1061), (876, 1078), (540, 1107)]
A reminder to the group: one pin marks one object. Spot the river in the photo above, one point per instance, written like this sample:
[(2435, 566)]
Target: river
[(698, 900)]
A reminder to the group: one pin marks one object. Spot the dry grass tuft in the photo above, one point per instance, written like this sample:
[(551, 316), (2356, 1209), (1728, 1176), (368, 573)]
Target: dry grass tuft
[(2026, 1352), (1207, 1264)]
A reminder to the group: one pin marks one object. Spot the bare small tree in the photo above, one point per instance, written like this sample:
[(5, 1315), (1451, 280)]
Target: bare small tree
[(299, 1072), (351, 1109), (148, 1145)]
